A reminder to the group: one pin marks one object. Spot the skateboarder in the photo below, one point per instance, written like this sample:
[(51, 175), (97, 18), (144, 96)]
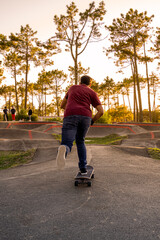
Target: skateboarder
[(77, 120)]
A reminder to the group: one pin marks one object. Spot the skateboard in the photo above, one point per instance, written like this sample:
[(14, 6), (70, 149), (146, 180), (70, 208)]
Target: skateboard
[(85, 179)]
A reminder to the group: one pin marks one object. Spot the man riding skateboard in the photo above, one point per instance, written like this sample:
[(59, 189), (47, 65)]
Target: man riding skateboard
[(77, 120)]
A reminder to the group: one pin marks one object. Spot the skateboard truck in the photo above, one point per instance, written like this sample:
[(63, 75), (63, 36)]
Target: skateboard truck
[(85, 179)]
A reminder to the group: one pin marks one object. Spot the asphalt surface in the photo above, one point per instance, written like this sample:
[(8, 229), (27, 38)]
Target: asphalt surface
[(41, 203)]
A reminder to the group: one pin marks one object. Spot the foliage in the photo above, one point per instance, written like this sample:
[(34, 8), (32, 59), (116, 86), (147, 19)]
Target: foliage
[(106, 118), (23, 115), (120, 114), (1, 116), (112, 139), (54, 119), (78, 29), (155, 116), (10, 159), (154, 153), (128, 34), (34, 117)]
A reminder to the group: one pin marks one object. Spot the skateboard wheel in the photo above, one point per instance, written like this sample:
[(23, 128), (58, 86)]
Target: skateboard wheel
[(89, 184), (76, 183), (92, 175)]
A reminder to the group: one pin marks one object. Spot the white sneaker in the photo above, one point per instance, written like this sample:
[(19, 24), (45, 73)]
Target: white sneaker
[(61, 159)]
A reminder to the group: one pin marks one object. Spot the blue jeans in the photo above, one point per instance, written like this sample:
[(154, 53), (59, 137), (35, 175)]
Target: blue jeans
[(75, 128)]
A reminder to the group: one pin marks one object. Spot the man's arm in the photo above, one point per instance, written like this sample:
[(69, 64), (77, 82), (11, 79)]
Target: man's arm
[(98, 114), (64, 102)]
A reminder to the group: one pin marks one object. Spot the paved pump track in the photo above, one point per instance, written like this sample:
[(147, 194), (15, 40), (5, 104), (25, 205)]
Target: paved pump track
[(39, 202)]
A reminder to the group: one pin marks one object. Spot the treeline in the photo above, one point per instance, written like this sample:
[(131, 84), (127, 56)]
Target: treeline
[(133, 43)]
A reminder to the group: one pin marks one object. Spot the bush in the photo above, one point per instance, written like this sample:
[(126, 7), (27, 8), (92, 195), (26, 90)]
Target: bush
[(155, 116), (55, 119), (120, 114), (22, 115), (1, 117), (34, 117), (105, 118)]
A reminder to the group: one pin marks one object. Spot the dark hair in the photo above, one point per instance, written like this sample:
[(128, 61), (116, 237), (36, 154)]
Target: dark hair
[(86, 79)]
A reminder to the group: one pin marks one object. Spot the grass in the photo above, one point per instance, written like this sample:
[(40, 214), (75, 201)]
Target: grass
[(112, 139), (154, 153), (57, 137), (10, 159)]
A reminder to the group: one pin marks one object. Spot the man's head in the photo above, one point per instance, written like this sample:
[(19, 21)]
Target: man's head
[(86, 80)]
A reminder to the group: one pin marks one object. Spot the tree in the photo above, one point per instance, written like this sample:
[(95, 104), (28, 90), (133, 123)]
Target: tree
[(106, 89), (78, 33), (28, 51), (44, 82), (4, 44), (1, 73), (120, 114), (156, 48), (58, 78), (21, 92), (7, 93), (154, 84), (128, 34), (13, 62), (46, 51), (81, 71)]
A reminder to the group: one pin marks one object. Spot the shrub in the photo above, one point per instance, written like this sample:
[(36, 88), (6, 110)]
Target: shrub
[(34, 117), (120, 114), (155, 116), (54, 119), (1, 117), (105, 118), (22, 115)]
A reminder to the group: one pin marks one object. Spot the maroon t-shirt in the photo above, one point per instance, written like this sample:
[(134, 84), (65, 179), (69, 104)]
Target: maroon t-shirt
[(79, 98)]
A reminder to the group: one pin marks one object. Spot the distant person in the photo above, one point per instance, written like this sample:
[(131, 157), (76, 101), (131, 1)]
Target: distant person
[(5, 111), (13, 111), (30, 114), (77, 120)]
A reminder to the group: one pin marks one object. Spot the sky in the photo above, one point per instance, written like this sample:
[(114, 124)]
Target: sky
[(39, 15)]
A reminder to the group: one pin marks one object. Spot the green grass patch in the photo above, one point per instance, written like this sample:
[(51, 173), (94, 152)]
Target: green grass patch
[(154, 153), (10, 159), (58, 137), (112, 139)]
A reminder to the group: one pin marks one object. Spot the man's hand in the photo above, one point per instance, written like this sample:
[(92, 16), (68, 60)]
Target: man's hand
[(92, 122)]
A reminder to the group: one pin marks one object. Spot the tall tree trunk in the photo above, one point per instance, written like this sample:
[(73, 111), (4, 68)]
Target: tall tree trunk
[(76, 72), (123, 99), (108, 102), (129, 101), (45, 101), (26, 82), (135, 105), (15, 78), (42, 100), (138, 85), (32, 99), (148, 85), (76, 64), (9, 101), (57, 102)]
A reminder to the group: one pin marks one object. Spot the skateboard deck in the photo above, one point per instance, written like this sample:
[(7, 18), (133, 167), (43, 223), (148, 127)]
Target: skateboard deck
[(85, 179)]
